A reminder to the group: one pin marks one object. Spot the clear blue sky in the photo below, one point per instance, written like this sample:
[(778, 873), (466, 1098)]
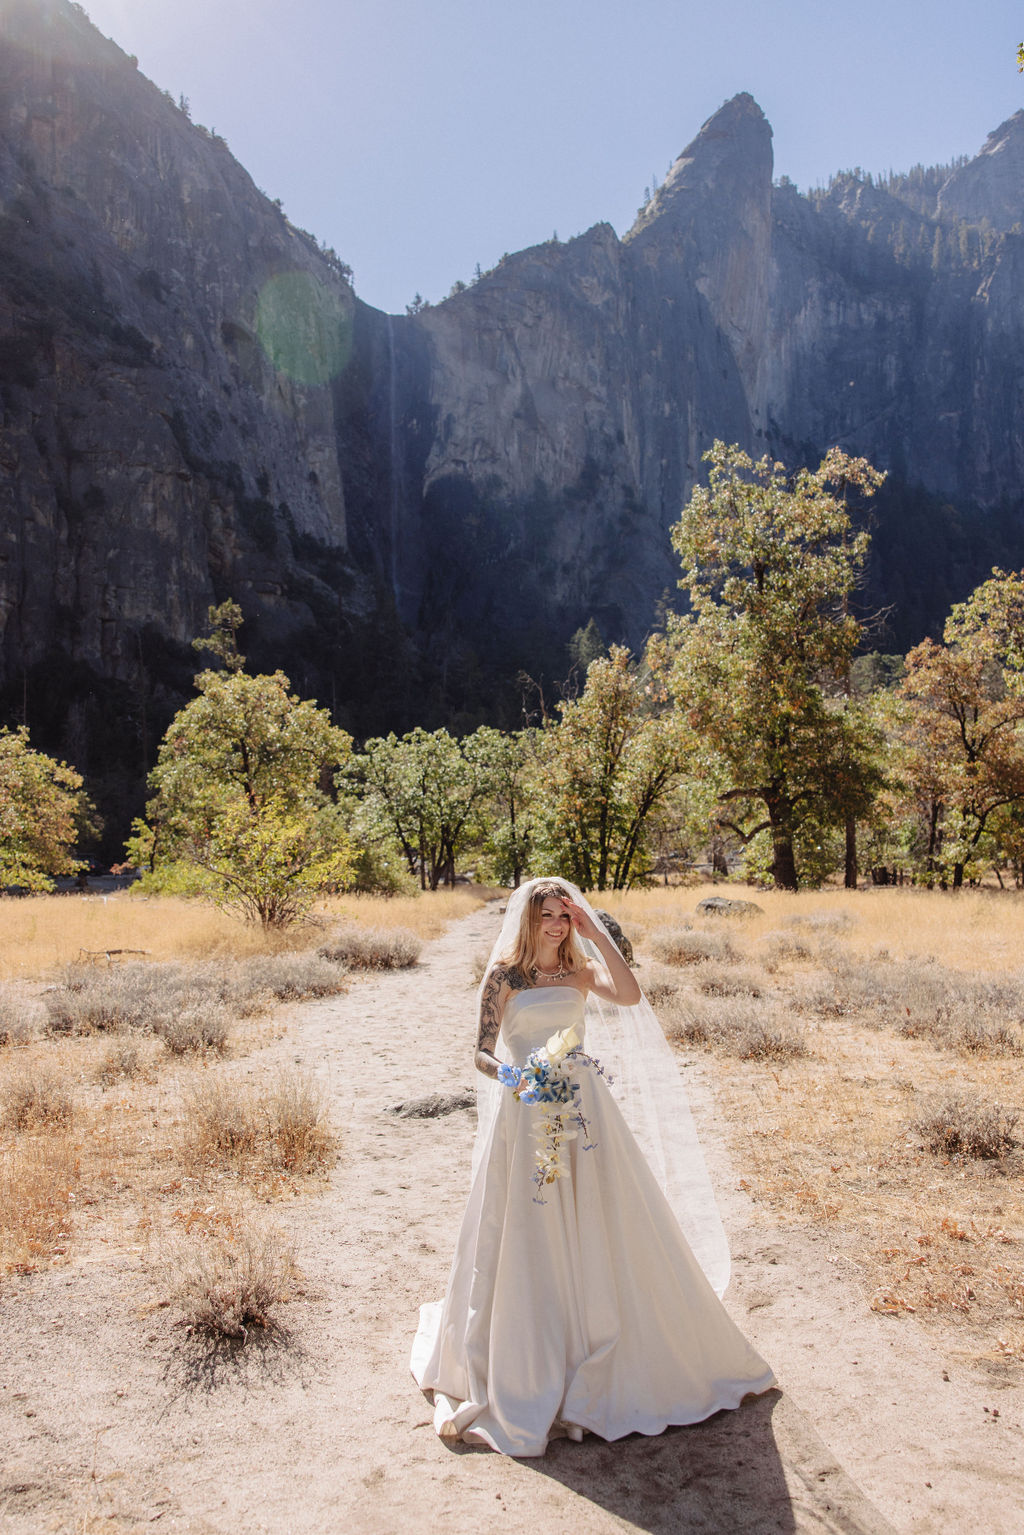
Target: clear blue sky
[(419, 137)]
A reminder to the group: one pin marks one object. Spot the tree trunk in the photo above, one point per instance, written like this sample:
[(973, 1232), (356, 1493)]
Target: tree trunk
[(780, 816), (958, 876), (850, 876)]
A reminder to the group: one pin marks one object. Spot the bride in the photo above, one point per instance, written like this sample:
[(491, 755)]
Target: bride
[(582, 1295)]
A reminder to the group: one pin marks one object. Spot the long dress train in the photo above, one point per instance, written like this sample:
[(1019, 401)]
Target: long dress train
[(587, 1311)]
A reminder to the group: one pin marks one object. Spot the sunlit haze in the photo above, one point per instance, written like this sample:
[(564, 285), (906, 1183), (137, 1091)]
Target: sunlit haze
[(421, 139)]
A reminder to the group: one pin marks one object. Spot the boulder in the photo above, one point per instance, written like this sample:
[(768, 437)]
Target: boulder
[(721, 906), (435, 1105), (619, 938)]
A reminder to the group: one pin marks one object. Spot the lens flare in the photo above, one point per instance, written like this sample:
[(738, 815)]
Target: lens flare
[(303, 328)]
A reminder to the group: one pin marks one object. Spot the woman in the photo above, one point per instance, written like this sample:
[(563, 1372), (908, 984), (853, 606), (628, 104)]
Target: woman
[(575, 1302)]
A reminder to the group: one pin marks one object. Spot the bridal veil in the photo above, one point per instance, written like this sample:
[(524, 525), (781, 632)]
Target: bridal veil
[(630, 1045)]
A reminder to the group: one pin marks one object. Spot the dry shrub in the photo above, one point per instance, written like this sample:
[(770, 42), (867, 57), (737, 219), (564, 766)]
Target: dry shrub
[(187, 1005), (231, 1279), (283, 1127), (121, 1059), (716, 980), (684, 946), (661, 988), (763, 1042), (779, 948), (290, 977), (823, 922), (90, 999), (296, 1110), (19, 1017), (222, 1120), (37, 1098), (37, 1179), (965, 1126), (749, 1029), (198, 1029), (953, 1010), (373, 948)]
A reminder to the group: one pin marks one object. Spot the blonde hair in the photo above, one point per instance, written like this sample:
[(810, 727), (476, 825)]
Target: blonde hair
[(526, 944)]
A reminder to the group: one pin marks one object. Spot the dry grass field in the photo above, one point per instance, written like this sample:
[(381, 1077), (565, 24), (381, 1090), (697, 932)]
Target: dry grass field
[(39, 933), (133, 1103), (868, 1051), (870, 1058)]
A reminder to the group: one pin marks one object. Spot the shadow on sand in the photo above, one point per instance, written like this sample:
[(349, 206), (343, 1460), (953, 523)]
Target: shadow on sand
[(206, 1362), (720, 1477), (724, 1474)]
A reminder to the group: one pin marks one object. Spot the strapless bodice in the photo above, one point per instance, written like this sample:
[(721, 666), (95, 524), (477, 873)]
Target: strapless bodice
[(532, 1016)]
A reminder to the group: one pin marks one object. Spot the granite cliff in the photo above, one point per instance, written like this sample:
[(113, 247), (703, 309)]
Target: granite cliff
[(195, 404)]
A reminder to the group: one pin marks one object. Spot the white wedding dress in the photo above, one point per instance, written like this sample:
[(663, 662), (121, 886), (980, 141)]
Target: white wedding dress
[(587, 1311)]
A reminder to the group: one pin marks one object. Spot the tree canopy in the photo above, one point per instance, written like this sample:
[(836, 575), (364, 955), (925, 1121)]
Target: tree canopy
[(770, 562), (243, 806), (42, 811), (964, 726)]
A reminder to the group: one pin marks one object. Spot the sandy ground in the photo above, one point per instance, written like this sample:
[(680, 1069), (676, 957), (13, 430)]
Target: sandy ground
[(112, 1418)]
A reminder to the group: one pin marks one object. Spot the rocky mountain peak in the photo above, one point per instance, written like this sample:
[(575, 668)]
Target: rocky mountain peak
[(991, 186), (731, 157)]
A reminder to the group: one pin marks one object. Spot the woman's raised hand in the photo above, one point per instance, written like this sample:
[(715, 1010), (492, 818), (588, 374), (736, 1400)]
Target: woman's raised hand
[(581, 920)]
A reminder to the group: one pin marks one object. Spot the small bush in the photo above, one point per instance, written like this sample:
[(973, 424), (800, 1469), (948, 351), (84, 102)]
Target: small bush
[(968, 1014), (661, 988), (831, 922), (761, 1039), (233, 1279), (296, 1111), (964, 1126), (121, 1059), (688, 1023), (684, 946), (188, 1006), (749, 1030), (727, 980), (290, 977), (285, 1127), (198, 1029), (222, 1120), (368, 948), (37, 1098), (784, 948), (89, 999), (19, 1017), (37, 1179)]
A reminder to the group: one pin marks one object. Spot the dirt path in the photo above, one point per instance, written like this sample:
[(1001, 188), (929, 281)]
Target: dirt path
[(108, 1422)]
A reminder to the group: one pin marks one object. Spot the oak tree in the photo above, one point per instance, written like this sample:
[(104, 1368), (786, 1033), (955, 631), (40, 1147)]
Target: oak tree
[(771, 560)]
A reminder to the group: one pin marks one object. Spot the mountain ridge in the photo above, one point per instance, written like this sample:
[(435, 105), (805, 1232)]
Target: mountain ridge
[(195, 404)]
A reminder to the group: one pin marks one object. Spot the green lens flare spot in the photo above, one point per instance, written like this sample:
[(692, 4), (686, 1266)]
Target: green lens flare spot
[(304, 328)]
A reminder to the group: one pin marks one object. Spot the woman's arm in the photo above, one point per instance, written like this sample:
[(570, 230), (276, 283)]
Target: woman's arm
[(492, 1005), (614, 980)]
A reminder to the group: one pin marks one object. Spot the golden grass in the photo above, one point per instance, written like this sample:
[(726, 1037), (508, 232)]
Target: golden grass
[(832, 1139), (127, 1169), (38, 1178), (831, 1142), (41, 933), (970, 930)]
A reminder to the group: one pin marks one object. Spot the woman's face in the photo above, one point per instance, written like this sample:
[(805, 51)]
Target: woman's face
[(554, 920)]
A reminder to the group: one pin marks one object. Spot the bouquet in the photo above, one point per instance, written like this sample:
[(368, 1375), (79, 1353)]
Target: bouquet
[(546, 1079)]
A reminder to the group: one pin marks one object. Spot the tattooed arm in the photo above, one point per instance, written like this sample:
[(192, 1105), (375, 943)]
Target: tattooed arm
[(501, 982)]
